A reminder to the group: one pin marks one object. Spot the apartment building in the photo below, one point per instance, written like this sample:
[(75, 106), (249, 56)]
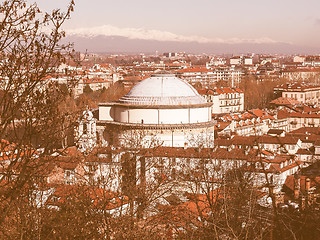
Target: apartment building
[(301, 74), (304, 93), (225, 100), (241, 60), (252, 122), (207, 76), (299, 119)]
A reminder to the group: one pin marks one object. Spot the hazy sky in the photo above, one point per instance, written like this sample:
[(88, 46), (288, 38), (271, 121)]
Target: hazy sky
[(288, 21)]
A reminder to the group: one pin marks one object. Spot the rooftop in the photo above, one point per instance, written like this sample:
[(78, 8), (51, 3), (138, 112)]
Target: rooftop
[(162, 89)]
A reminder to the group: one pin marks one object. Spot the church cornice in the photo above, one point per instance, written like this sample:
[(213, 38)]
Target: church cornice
[(115, 104), (156, 126)]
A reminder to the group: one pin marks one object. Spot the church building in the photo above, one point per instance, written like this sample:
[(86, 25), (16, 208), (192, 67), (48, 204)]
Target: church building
[(162, 107)]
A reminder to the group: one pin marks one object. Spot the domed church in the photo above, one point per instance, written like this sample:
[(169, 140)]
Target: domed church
[(163, 107)]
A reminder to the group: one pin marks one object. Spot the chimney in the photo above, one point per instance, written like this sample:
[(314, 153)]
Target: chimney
[(296, 187), (296, 193), (308, 185), (303, 203)]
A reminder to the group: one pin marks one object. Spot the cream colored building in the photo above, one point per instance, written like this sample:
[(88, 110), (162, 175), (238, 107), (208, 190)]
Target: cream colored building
[(225, 99), (162, 107), (304, 93)]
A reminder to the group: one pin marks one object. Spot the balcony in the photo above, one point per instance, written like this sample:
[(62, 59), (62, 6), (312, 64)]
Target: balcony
[(230, 104), (229, 98)]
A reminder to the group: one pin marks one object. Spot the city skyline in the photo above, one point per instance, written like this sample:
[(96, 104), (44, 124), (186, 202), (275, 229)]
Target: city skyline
[(164, 120)]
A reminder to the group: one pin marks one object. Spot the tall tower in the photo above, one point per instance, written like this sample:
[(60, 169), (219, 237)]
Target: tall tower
[(85, 135)]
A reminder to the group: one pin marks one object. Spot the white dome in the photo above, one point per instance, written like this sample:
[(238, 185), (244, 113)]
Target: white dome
[(163, 89)]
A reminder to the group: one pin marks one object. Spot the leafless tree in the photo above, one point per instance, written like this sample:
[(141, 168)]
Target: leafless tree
[(30, 114)]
